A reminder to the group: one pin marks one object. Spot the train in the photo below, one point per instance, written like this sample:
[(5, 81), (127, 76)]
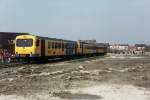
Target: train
[(37, 47)]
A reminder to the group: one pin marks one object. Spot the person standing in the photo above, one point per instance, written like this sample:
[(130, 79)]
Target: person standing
[(2, 56), (9, 57)]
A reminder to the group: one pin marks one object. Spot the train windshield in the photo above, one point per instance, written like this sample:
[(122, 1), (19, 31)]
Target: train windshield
[(24, 42)]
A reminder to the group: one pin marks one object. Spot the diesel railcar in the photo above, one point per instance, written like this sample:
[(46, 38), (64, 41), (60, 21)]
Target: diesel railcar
[(31, 46)]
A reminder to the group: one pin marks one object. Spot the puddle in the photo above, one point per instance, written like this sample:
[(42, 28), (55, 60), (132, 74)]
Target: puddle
[(67, 95)]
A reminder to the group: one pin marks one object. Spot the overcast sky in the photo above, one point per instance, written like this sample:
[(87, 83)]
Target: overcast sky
[(123, 21)]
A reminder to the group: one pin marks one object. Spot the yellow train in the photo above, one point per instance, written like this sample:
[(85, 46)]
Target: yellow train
[(31, 46)]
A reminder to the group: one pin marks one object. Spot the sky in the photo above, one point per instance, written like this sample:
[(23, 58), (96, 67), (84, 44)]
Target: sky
[(114, 21)]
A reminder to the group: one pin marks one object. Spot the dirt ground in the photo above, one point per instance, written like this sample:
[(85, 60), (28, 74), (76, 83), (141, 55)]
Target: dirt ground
[(112, 77)]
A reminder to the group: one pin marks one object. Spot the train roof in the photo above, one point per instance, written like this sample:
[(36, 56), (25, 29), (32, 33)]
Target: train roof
[(54, 38), (11, 34)]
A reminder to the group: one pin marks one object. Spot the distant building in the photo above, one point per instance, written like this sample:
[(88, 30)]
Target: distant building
[(119, 47), (140, 47), (88, 41), (94, 42), (7, 39), (147, 48), (132, 48)]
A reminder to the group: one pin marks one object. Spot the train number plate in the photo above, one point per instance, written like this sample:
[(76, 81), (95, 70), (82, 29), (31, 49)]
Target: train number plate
[(22, 55)]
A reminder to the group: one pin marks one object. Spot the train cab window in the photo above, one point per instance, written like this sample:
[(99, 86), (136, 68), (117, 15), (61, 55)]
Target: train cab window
[(24, 42), (37, 42)]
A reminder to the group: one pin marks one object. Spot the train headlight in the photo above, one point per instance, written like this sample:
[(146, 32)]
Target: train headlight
[(31, 54)]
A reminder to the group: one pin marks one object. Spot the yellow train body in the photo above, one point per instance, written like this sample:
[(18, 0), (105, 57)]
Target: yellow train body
[(27, 50), (35, 46), (52, 47), (79, 48)]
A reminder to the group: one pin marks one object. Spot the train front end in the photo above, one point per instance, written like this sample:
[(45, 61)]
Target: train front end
[(26, 46)]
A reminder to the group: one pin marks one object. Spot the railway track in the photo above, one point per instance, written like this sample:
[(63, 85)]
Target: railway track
[(7, 65), (50, 61), (84, 59)]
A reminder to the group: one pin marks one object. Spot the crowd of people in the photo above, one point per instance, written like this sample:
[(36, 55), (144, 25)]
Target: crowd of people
[(6, 56)]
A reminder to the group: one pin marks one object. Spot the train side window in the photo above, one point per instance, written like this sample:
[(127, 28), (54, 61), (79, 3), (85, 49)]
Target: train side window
[(66, 45), (53, 45), (62, 45), (37, 42), (81, 45), (58, 45), (72, 45), (49, 45)]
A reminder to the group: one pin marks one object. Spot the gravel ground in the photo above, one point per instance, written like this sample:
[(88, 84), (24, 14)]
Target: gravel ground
[(100, 78)]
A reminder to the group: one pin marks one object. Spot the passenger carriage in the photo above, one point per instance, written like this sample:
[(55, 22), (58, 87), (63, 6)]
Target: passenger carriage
[(31, 46)]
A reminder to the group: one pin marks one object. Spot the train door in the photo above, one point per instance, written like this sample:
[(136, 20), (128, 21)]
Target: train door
[(43, 48)]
